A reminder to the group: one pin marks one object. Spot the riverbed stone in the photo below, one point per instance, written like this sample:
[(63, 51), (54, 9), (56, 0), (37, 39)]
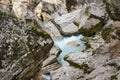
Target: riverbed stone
[(49, 60), (51, 67), (73, 43), (55, 50), (67, 73), (52, 58), (69, 29), (76, 58)]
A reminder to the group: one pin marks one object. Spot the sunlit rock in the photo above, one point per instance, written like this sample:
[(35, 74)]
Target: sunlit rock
[(23, 9), (6, 6), (38, 10), (56, 2), (67, 73)]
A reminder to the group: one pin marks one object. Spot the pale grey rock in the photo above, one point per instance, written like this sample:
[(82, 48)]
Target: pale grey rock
[(91, 9), (65, 23), (49, 60), (55, 50), (101, 73), (96, 10), (67, 73), (98, 60), (96, 42), (77, 58), (114, 62), (51, 67), (118, 76), (69, 29), (52, 30), (68, 18), (90, 23), (52, 6)]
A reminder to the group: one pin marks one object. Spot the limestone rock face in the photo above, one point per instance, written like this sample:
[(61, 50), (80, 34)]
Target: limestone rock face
[(22, 49)]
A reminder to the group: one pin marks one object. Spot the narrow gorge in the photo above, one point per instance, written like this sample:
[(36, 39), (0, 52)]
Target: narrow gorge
[(59, 40)]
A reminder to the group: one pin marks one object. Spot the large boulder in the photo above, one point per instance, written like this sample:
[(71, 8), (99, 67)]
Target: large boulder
[(67, 73), (92, 20), (22, 49), (91, 27), (65, 23), (52, 30)]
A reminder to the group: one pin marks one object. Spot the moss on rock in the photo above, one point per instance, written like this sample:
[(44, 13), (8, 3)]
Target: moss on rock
[(114, 77), (76, 23), (106, 34), (88, 46), (91, 31), (82, 66)]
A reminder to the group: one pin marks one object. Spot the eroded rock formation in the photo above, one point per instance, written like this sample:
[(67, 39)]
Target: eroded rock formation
[(22, 49)]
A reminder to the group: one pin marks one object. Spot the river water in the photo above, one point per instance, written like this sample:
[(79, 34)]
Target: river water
[(63, 44), (66, 48)]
